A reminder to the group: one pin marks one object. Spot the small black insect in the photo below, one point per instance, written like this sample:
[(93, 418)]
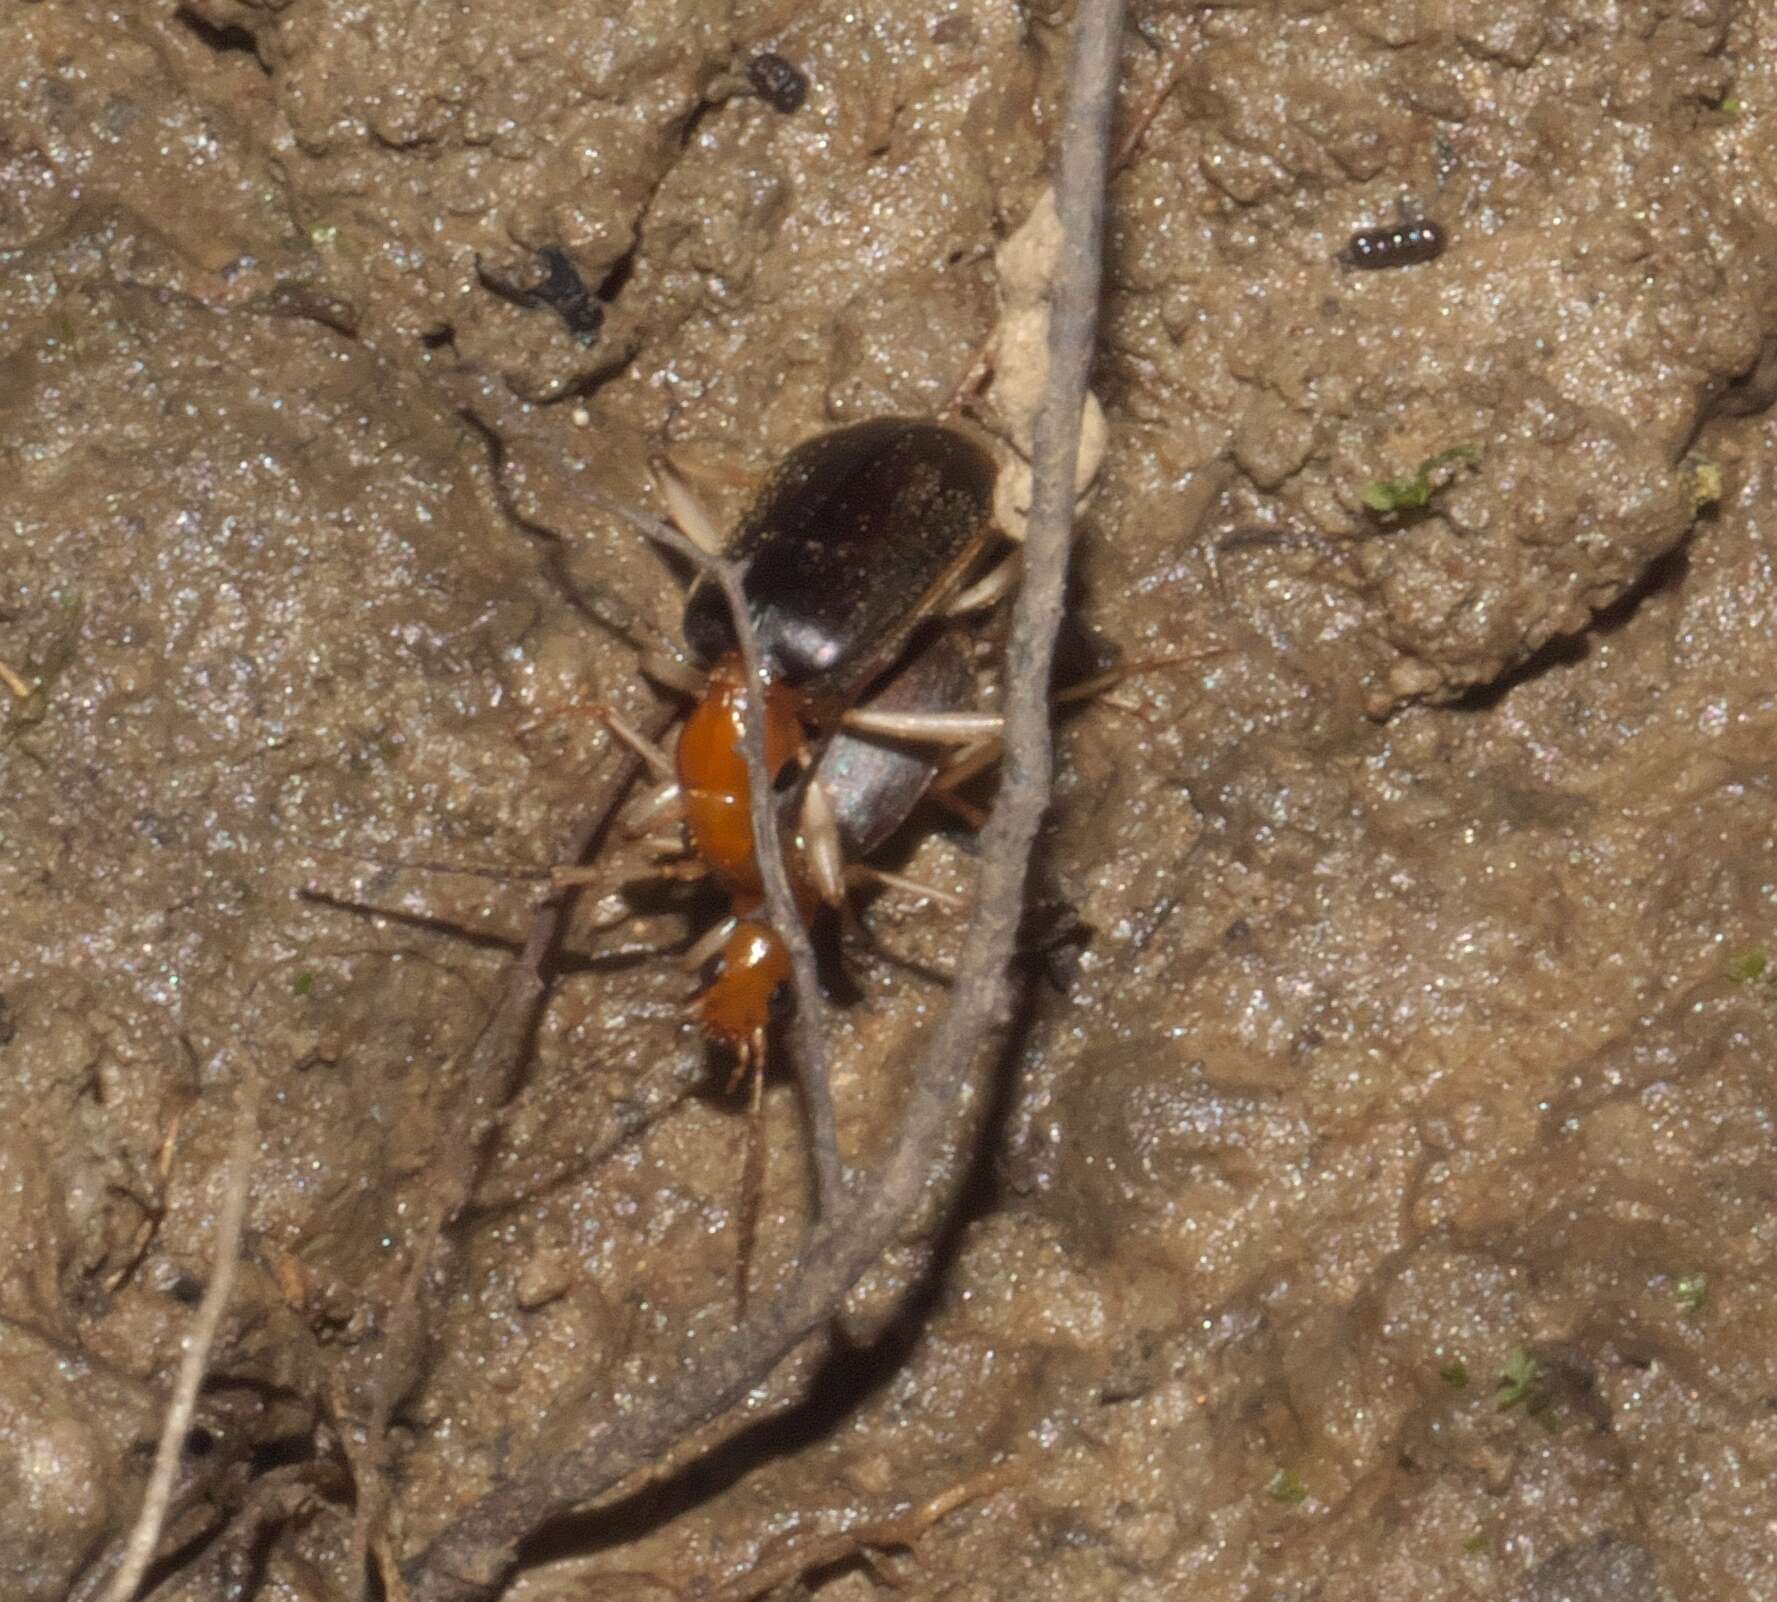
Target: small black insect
[(781, 84), (1404, 245), (559, 289)]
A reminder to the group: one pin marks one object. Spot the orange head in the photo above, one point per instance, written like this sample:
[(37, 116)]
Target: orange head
[(735, 1008), (713, 769)]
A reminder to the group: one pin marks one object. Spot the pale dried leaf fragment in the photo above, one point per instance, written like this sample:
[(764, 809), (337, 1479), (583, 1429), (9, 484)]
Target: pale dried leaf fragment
[(1018, 355)]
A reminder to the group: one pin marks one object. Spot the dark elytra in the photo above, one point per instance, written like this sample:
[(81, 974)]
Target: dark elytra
[(856, 538), (1404, 245), (875, 784)]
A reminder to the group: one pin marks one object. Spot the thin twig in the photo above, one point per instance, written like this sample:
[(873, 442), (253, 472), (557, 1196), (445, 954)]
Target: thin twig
[(611, 1440), (780, 902), (144, 1536)]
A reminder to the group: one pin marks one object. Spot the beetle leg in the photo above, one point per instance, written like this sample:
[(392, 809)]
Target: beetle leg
[(863, 873), (825, 857), (967, 728), (672, 671), (709, 944), (658, 761), (567, 878), (685, 509), (965, 765), (925, 728), (989, 588), (1086, 689), (966, 811), (661, 805), (974, 376), (962, 767), (749, 1061), (978, 733), (1130, 138)]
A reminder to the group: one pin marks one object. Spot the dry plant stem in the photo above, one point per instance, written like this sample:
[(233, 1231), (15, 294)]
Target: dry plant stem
[(138, 1550), (610, 1442), (780, 903), (489, 1061)]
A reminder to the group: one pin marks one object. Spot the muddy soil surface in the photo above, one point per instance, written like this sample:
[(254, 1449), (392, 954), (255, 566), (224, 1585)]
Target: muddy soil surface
[(1378, 1198)]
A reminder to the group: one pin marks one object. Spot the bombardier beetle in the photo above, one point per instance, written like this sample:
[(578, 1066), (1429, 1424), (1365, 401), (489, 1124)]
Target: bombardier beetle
[(860, 540)]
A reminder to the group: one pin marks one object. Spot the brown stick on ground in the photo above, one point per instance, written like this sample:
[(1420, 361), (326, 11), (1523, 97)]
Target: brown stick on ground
[(139, 1545), (608, 1442)]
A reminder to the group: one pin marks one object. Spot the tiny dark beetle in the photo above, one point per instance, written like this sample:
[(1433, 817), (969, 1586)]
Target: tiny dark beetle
[(781, 84), (1406, 244)]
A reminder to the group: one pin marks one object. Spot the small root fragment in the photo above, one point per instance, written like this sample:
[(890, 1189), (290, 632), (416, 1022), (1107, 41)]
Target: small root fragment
[(862, 1540)]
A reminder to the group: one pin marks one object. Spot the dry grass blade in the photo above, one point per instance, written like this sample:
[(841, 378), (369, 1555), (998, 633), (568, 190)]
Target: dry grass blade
[(606, 1442)]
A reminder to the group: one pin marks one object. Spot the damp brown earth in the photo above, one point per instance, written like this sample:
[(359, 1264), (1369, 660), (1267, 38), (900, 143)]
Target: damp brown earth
[(1377, 1199)]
